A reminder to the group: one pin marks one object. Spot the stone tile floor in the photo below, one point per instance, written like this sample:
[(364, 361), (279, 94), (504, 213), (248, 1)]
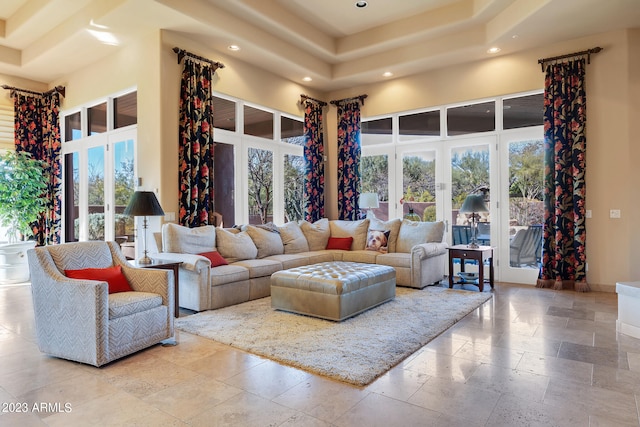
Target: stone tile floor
[(526, 357)]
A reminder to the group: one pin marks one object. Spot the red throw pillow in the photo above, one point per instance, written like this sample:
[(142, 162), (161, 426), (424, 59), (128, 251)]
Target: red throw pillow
[(343, 243), (215, 258), (112, 275)]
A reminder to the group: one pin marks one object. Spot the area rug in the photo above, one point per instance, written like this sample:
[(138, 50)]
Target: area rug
[(357, 350)]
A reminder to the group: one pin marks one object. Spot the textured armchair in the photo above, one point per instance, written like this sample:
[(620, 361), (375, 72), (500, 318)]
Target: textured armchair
[(79, 320)]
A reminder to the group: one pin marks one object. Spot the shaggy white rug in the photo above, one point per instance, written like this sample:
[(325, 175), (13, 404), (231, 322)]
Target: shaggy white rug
[(356, 350)]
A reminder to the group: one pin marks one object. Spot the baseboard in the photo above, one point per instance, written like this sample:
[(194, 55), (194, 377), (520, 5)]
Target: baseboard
[(602, 288)]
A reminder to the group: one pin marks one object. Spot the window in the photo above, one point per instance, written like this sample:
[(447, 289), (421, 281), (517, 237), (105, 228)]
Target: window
[(97, 118), (99, 169), (258, 122), (224, 114), (6, 126), (72, 127), (412, 126), (473, 118), (125, 110), (265, 150), (376, 131), (432, 159), (523, 111)]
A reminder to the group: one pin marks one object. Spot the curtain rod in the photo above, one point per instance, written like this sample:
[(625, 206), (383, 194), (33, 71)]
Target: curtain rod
[(182, 53), (60, 89), (360, 98), (571, 55), (305, 97)]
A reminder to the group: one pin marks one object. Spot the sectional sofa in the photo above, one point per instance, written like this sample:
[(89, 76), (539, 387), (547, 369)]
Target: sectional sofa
[(226, 266)]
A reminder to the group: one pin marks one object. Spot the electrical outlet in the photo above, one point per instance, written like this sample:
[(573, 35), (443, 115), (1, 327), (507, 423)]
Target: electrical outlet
[(170, 216), (588, 213), (614, 213)]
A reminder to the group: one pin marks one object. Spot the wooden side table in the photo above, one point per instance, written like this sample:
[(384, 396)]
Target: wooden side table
[(166, 265), (480, 254)]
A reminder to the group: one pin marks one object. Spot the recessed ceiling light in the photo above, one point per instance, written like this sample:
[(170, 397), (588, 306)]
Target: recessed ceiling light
[(387, 74), (307, 79), (233, 47), (361, 4), (493, 50)]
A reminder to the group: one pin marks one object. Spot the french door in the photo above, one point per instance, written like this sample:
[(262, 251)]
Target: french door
[(521, 177), (100, 179)]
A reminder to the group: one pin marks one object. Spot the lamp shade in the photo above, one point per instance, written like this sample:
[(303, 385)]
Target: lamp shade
[(368, 201), (474, 203), (144, 203)]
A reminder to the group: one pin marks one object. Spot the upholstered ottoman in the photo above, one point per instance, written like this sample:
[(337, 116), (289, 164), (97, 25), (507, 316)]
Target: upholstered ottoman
[(332, 290)]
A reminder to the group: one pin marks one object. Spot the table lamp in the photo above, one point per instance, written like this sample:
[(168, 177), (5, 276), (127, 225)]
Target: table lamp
[(144, 203), (369, 201), (473, 204)]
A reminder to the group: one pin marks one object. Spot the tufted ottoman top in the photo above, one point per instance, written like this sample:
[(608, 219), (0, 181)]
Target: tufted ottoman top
[(337, 277)]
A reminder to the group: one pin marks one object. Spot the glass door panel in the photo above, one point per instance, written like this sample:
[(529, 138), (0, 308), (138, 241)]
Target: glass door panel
[(470, 174), (293, 187), (260, 184), (418, 197), (72, 197), (375, 179), (123, 188), (521, 235), (96, 199)]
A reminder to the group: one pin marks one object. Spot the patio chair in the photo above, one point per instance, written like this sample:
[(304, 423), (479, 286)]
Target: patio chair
[(526, 247), (461, 234), (78, 319)]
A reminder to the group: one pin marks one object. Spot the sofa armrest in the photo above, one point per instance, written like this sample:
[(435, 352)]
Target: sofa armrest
[(195, 263), (429, 250)]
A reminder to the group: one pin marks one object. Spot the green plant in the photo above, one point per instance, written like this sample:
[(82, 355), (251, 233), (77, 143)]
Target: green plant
[(21, 193)]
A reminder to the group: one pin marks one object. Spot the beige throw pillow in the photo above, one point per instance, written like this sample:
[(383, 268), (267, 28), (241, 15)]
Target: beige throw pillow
[(184, 240), (293, 238), (417, 232), (234, 245), (317, 234), (267, 242), (356, 229), (392, 225)]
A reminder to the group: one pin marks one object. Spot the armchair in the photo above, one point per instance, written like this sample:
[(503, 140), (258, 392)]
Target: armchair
[(79, 320)]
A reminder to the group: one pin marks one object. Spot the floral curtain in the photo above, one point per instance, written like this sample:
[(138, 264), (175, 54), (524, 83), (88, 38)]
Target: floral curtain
[(37, 131), (348, 159), (314, 161), (564, 255), (196, 145)]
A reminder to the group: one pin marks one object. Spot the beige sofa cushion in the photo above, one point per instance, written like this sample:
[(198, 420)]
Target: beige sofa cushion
[(392, 225), (317, 234), (184, 240), (416, 232), (235, 245), (268, 242), (293, 238), (356, 229)]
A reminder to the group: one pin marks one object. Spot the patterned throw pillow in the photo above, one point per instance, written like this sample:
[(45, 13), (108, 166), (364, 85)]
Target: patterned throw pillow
[(378, 240)]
